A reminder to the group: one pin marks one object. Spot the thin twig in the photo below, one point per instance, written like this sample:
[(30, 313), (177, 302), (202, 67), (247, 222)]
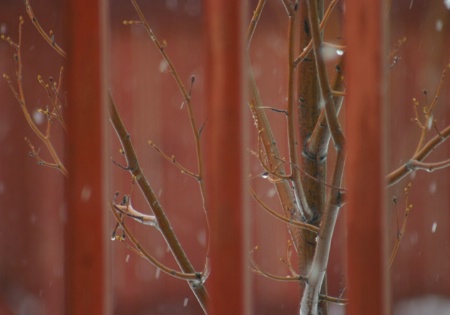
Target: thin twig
[(334, 300), (254, 21), (284, 219), (405, 169), (428, 111), (172, 160), (429, 167), (260, 271), (400, 234), (49, 38)]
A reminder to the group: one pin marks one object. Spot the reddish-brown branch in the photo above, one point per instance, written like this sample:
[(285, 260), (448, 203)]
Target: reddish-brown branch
[(284, 219), (139, 250), (401, 172), (400, 234), (291, 100), (312, 290), (153, 202), (49, 38), (20, 96)]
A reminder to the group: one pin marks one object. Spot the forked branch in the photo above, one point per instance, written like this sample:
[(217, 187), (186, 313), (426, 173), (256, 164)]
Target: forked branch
[(153, 202)]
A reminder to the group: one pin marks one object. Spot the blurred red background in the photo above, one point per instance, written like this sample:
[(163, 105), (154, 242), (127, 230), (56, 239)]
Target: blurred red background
[(32, 197)]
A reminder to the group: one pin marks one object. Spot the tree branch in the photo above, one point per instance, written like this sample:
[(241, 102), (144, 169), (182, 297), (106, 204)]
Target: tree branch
[(153, 202), (401, 172)]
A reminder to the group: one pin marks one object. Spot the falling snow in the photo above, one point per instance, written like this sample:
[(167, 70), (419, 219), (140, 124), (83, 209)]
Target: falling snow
[(172, 4), (413, 238), (86, 193), (201, 237), (2, 28), (430, 122), (271, 193), (447, 4), (329, 53), (423, 305), (38, 117), (433, 227), (432, 188), (439, 25), (193, 7), (163, 66)]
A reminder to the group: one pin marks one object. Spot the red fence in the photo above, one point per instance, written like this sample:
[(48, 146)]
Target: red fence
[(35, 213)]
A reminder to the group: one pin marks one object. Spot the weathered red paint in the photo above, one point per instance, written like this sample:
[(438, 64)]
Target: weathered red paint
[(366, 252), (228, 283), (85, 238)]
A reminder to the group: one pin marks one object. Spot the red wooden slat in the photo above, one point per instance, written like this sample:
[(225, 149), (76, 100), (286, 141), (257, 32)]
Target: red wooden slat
[(85, 243), (228, 283), (367, 262)]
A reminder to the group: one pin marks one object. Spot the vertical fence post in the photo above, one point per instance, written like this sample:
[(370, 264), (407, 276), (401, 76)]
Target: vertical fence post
[(85, 238), (225, 132), (367, 262)]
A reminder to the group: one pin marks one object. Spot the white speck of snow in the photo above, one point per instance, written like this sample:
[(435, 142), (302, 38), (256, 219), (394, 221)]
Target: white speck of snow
[(328, 53), (339, 52), (430, 304), (63, 212), (86, 193), (264, 175), (433, 227), (33, 218), (3, 28), (172, 4), (447, 4), (271, 192), (439, 25), (163, 66), (413, 175), (185, 302), (430, 122), (433, 187), (141, 270), (413, 238), (157, 273), (127, 258), (159, 251), (201, 237), (193, 7), (38, 117)]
